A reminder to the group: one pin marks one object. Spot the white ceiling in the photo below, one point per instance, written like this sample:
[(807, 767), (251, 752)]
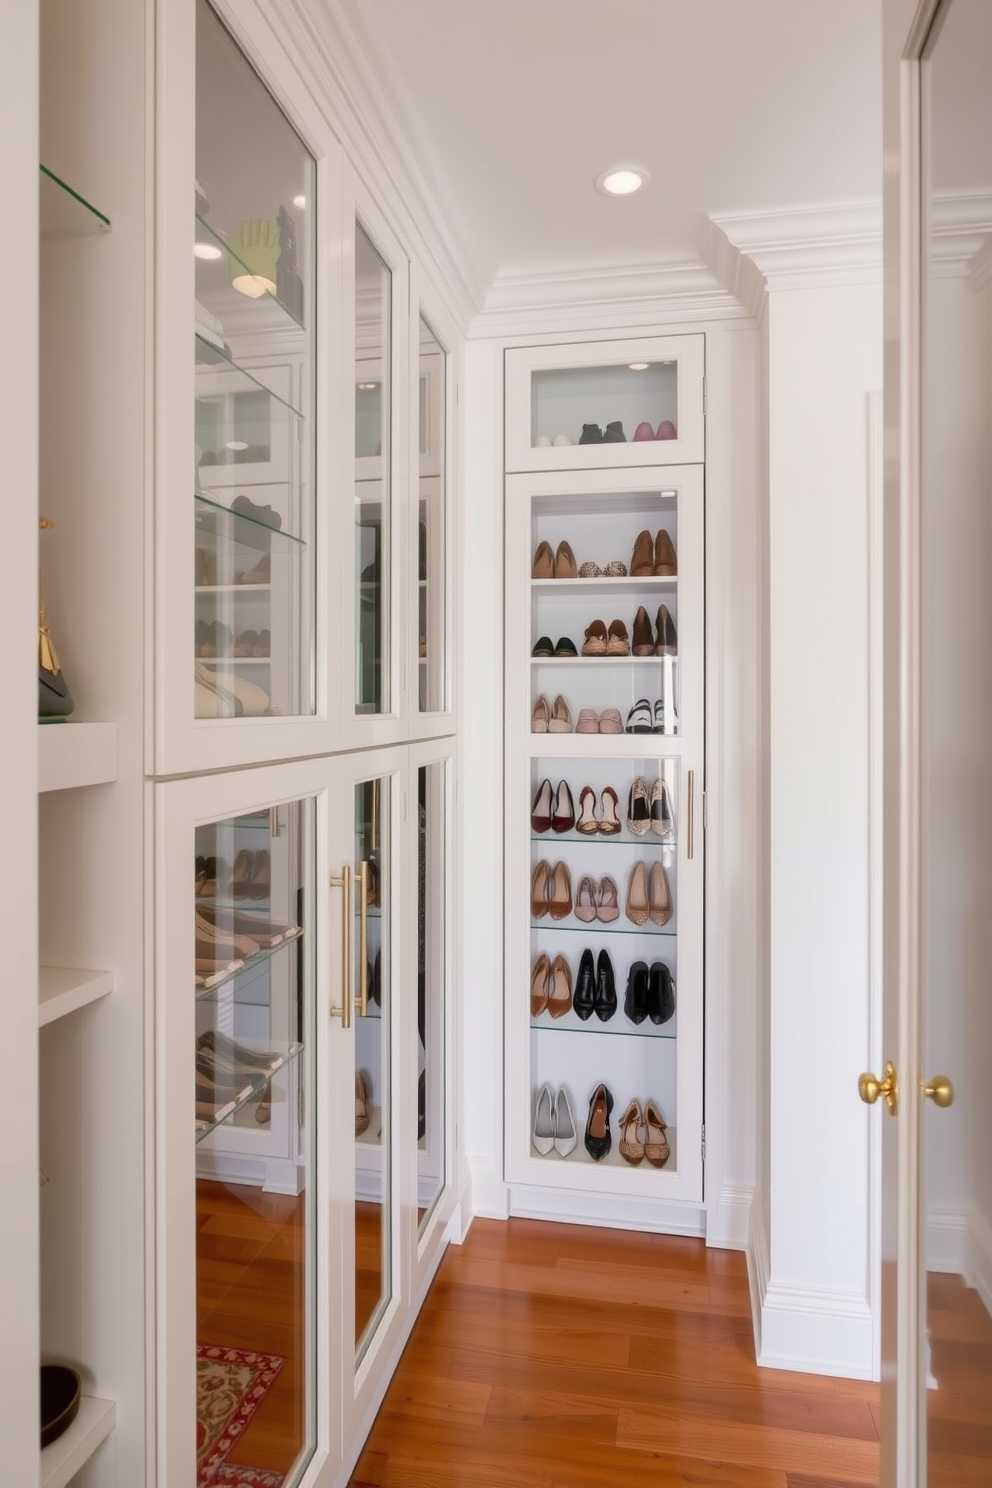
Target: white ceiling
[(513, 107)]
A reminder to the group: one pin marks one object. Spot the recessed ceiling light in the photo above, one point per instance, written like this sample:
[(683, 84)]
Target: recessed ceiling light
[(207, 250), (299, 201), (367, 387), (638, 366), (236, 444), (621, 180)]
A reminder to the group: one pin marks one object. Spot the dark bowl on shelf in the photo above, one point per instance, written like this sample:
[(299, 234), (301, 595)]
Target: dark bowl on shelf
[(61, 1391)]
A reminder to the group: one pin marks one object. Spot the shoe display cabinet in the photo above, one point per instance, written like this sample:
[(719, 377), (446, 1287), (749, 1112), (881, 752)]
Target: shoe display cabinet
[(604, 791)]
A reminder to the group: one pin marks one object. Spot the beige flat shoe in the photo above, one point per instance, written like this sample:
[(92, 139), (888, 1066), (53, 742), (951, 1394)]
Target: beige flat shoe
[(636, 908), (539, 986), (660, 903), (565, 564), (560, 988), (610, 721), (560, 721), (631, 1147), (560, 898), (540, 716), (656, 1148)]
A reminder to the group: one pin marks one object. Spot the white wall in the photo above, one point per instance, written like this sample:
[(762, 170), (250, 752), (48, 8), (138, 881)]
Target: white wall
[(824, 357)]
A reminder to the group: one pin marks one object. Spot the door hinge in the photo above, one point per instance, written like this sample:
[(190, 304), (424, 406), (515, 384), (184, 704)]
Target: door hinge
[(702, 1143)]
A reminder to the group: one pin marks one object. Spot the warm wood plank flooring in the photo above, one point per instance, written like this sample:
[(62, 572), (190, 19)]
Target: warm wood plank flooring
[(959, 1411), (556, 1356)]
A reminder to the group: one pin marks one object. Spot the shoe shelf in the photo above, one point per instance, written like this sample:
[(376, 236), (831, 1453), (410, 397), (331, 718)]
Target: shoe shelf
[(69, 1453), (214, 287), (604, 927), (244, 1092), (214, 985), (63, 989), (604, 586), (587, 746), (227, 659), (76, 754), (64, 212), (580, 1158), (214, 518), (598, 662), (617, 839), (236, 589), (619, 1026)]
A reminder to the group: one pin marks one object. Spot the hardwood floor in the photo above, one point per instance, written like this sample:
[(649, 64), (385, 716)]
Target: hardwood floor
[(959, 1411), (557, 1356)]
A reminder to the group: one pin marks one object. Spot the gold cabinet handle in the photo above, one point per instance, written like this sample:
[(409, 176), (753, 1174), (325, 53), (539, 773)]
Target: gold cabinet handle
[(870, 1088), (940, 1091), (689, 846), (362, 1002), (344, 882)]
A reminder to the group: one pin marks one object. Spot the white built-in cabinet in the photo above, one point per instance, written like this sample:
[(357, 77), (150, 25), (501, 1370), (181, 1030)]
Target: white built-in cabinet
[(246, 827), (604, 898)]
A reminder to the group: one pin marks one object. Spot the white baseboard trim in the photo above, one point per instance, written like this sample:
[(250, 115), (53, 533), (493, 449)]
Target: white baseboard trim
[(947, 1240), (490, 1197), (978, 1257), (728, 1223), (758, 1267), (816, 1331), (530, 1202)]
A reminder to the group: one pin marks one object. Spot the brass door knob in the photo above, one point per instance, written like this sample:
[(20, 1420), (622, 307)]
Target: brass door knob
[(940, 1091), (870, 1088)]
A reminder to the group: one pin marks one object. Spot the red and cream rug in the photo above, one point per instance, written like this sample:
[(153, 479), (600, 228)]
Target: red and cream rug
[(230, 1386)]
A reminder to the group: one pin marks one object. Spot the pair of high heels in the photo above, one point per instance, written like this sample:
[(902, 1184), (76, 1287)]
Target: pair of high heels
[(653, 1145), (650, 993), (597, 901), (595, 988), (653, 559), (550, 987), (550, 891), (588, 823), (553, 810), (649, 899), (554, 1123), (251, 876), (559, 564), (664, 642), (650, 810), (603, 641), (555, 719)]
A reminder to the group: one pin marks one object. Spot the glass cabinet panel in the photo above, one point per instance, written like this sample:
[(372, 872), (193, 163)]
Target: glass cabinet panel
[(610, 404), (431, 990), (373, 1072), (255, 1215), (431, 533), (253, 353), (373, 320)]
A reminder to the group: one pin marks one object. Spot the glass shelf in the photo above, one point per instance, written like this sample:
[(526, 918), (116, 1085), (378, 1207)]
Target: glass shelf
[(600, 839), (233, 589), (282, 1055), (220, 520), (619, 1026), (63, 213), (215, 290), (251, 964), (603, 927), (599, 661), (210, 356)]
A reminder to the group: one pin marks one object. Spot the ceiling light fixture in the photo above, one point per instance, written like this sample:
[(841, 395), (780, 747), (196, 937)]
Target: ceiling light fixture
[(207, 251), (621, 180), (638, 366)]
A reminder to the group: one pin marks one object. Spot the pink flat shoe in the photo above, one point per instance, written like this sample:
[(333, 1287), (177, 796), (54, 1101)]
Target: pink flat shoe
[(610, 721), (588, 722)]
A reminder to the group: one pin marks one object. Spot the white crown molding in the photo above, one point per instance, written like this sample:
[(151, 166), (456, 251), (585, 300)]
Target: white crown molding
[(804, 247), (960, 229), (333, 58)]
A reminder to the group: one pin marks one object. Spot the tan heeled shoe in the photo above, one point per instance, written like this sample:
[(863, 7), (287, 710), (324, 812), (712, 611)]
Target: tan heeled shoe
[(642, 559), (544, 563), (585, 900), (539, 885), (660, 895), (560, 988), (643, 642), (539, 986), (587, 823), (560, 897), (656, 1148), (631, 1147), (637, 908), (565, 564), (607, 900), (610, 824), (665, 564)]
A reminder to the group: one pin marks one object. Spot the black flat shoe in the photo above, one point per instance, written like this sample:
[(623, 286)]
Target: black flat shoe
[(606, 988), (543, 646), (565, 647), (597, 1137), (591, 434), (584, 993), (635, 1002), (661, 993), (614, 433)]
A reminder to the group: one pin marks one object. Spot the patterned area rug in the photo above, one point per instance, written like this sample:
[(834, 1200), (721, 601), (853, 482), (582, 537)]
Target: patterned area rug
[(250, 1477), (230, 1386)]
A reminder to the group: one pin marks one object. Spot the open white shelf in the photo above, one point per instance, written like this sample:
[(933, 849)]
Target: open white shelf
[(74, 754), (61, 1461), (63, 989)]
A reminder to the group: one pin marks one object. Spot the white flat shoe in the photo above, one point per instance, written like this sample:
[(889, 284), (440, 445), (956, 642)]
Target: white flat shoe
[(542, 442), (561, 440), (544, 1122), (566, 1137)]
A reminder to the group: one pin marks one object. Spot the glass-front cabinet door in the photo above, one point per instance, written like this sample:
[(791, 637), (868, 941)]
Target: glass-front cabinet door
[(253, 427), (373, 476), (432, 372), (432, 824)]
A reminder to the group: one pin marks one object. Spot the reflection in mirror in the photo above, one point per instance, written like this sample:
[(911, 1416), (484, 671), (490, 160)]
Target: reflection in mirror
[(373, 304), (431, 869), (431, 527), (252, 987), (956, 542), (373, 1282)]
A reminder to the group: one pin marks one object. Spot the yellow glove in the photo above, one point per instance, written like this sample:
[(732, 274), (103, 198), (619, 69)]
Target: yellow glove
[(256, 244)]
